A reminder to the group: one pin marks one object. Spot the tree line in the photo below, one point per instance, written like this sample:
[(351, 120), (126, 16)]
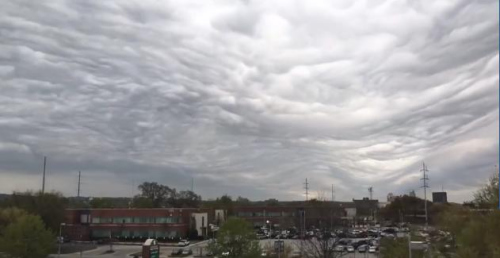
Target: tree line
[(473, 227)]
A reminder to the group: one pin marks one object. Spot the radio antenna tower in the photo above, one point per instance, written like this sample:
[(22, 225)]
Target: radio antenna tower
[(43, 177), (306, 187), (425, 185), (333, 194), (79, 182)]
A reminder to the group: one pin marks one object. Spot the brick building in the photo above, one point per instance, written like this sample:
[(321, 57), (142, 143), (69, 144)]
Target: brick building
[(126, 224)]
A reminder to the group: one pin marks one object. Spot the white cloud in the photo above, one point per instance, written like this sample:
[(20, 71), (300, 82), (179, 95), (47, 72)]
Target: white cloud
[(249, 97)]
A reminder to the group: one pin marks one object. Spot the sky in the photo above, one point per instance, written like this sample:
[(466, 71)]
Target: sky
[(249, 98)]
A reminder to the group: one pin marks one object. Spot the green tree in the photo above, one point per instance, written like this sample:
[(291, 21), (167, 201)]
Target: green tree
[(242, 201), (49, 206), (27, 237), (9, 216), (142, 202), (397, 248), (453, 220), (237, 237), (157, 193), (404, 206), (272, 202), (481, 235), (487, 196), (99, 203), (184, 199)]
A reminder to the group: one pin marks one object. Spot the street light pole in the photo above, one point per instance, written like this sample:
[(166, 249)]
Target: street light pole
[(409, 244), (60, 232)]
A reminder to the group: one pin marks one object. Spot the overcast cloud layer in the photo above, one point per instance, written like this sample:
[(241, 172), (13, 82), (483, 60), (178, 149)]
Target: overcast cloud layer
[(249, 97)]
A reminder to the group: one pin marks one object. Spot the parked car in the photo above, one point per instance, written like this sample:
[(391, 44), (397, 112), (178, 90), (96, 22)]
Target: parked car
[(183, 243), (350, 249), (339, 248), (362, 248), (187, 252), (372, 249), (176, 252), (225, 254)]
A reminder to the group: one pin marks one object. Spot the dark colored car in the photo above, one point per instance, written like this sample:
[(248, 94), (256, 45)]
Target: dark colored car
[(176, 252)]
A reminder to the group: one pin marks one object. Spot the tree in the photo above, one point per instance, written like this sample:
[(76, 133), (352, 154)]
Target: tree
[(9, 216), (99, 203), (237, 237), (27, 237), (242, 201), (323, 244), (480, 235), (487, 197), (272, 202), (397, 248), (270, 252), (141, 202), (157, 193), (49, 206), (403, 207), (184, 199), (474, 231)]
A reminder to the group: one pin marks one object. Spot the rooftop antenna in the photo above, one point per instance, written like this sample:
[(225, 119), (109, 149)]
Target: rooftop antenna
[(79, 182), (43, 177), (425, 185), (306, 187), (333, 194)]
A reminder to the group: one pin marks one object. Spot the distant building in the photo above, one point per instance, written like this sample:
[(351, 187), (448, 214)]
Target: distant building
[(391, 197), (138, 224), (412, 193), (439, 197)]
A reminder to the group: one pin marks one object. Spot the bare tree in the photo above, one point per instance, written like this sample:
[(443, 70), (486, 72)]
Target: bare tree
[(323, 244), (320, 247)]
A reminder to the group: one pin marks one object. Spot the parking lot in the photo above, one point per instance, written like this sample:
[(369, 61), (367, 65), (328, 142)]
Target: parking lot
[(126, 251)]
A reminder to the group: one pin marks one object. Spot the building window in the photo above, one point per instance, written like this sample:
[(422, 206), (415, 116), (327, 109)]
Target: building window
[(258, 214), (274, 214), (102, 220), (245, 214), (100, 233), (144, 220), (121, 220), (167, 220)]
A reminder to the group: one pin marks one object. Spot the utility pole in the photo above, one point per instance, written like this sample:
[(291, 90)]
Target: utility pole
[(79, 176), (333, 194), (192, 184), (43, 177), (425, 185), (306, 187)]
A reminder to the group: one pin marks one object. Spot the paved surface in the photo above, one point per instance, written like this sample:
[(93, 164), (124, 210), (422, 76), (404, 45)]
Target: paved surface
[(124, 251)]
